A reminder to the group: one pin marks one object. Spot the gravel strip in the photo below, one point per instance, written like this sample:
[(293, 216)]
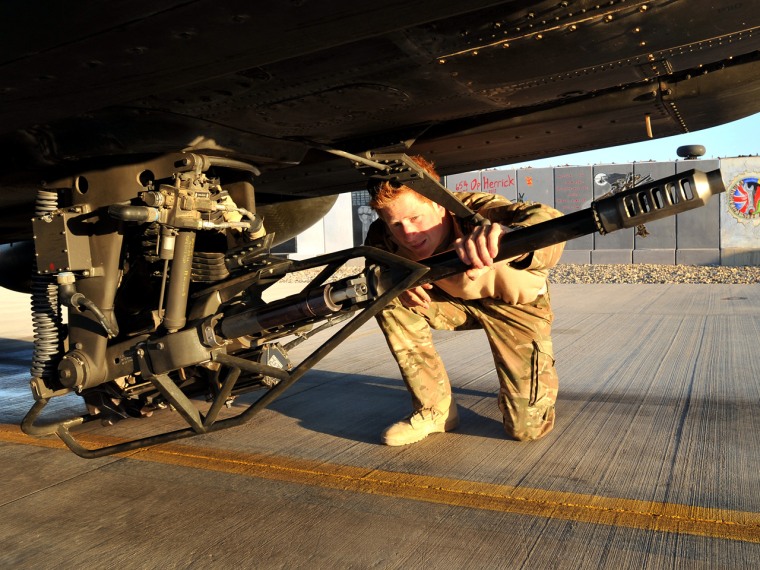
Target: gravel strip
[(647, 273), (636, 273)]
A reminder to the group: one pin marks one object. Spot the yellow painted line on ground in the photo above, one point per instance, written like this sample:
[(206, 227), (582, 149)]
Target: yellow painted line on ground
[(664, 517)]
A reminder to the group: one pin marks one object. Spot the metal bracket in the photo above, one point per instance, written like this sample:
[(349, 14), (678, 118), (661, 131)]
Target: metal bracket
[(402, 170)]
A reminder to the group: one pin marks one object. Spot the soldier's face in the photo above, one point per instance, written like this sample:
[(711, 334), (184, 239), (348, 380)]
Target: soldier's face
[(416, 224)]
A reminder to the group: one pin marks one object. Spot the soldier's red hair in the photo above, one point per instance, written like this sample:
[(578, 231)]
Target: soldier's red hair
[(386, 192)]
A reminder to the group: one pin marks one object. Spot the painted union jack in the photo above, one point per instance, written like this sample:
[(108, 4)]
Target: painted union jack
[(746, 196)]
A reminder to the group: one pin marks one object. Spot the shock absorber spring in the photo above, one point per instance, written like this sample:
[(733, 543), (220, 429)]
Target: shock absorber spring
[(46, 310)]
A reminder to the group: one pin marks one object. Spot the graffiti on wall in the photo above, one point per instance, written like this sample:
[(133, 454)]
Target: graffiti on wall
[(363, 215), (740, 203), (745, 199)]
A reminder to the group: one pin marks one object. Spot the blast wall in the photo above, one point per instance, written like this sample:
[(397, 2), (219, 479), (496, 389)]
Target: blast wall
[(724, 232)]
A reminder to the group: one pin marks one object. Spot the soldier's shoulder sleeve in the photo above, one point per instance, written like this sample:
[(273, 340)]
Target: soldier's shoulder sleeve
[(480, 201), (530, 213)]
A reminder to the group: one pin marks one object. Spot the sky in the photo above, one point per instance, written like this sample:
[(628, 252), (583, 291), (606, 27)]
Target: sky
[(738, 138)]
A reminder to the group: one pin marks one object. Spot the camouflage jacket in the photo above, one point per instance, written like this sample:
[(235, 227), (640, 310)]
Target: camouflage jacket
[(515, 282)]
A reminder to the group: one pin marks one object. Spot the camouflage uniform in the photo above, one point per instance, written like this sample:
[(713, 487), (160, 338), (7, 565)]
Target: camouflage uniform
[(519, 333)]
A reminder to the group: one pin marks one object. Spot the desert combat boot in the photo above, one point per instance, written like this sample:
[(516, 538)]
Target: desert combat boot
[(422, 423)]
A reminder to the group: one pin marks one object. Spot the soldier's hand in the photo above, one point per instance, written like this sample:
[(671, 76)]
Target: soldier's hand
[(480, 248), (416, 297)]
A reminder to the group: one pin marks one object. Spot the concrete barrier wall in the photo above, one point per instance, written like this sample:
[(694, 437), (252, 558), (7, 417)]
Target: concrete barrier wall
[(719, 233), (726, 231)]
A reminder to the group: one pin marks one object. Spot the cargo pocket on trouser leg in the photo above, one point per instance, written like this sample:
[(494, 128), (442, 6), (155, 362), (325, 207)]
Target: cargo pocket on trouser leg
[(532, 417)]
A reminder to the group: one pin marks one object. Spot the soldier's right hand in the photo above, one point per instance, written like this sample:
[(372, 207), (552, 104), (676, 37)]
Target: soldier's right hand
[(416, 297)]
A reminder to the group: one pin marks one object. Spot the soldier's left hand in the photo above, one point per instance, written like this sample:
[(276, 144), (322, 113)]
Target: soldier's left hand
[(480, 248)]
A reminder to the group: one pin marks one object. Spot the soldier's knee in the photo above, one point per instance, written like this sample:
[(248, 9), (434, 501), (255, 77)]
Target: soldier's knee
[(532, 423)]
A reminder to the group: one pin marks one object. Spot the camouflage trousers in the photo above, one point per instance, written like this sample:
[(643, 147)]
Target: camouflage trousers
[(520, 340)]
